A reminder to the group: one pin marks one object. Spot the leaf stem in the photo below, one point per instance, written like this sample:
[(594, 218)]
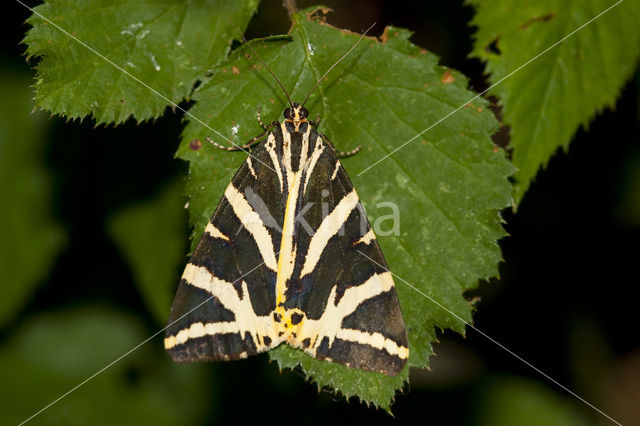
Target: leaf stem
[(291, 7)]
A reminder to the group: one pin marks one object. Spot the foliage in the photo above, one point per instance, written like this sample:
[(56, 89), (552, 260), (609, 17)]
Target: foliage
[(166, 44), (515, 401), (546, 102), (163, 395), (151, 237), (31, 238)]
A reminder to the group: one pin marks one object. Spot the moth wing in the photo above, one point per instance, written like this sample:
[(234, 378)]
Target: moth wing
[(222, 308), (352, 311)]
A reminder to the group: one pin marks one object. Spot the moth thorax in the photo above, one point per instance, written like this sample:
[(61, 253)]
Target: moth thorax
[(297, 113)]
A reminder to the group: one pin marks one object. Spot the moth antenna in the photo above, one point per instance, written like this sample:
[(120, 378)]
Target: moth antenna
[(336, 63), (266, 66)]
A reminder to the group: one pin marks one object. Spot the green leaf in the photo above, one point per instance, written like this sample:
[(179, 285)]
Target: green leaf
[(550, 98), (52, 353), (507, 401), (166, 44), (448, 185), (370, 387), (30, 236), (151, 238)]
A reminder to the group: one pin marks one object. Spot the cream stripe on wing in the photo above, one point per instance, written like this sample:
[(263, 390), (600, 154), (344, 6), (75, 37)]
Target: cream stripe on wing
[(327, 229), (286, 153), (250, 164), (375, 340), (199, 329), (331, 320), (304, 150), (271, 149), (335, 171), (252, 221), (354, 296), (315, 155), (215, 232), (246, 319), (367, 238)]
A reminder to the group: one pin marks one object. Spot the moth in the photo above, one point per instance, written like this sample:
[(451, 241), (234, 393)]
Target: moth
[(289, 257)]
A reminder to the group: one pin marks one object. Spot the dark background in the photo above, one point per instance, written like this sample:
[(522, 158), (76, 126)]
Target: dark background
[(564, 301)]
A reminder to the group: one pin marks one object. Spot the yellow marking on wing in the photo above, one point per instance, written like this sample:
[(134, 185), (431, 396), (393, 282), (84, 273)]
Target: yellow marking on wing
[(287, 255)]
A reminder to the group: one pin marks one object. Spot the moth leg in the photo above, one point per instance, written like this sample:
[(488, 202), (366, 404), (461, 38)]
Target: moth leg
[(265, 126), (340, 154), (244, 147), (253, 141)]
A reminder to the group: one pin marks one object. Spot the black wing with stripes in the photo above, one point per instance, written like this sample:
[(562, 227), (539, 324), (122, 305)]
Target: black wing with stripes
[(289, 256), (341, 283), (224, 303)]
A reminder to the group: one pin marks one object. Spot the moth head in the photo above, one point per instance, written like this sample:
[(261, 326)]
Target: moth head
[(296, 114)]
